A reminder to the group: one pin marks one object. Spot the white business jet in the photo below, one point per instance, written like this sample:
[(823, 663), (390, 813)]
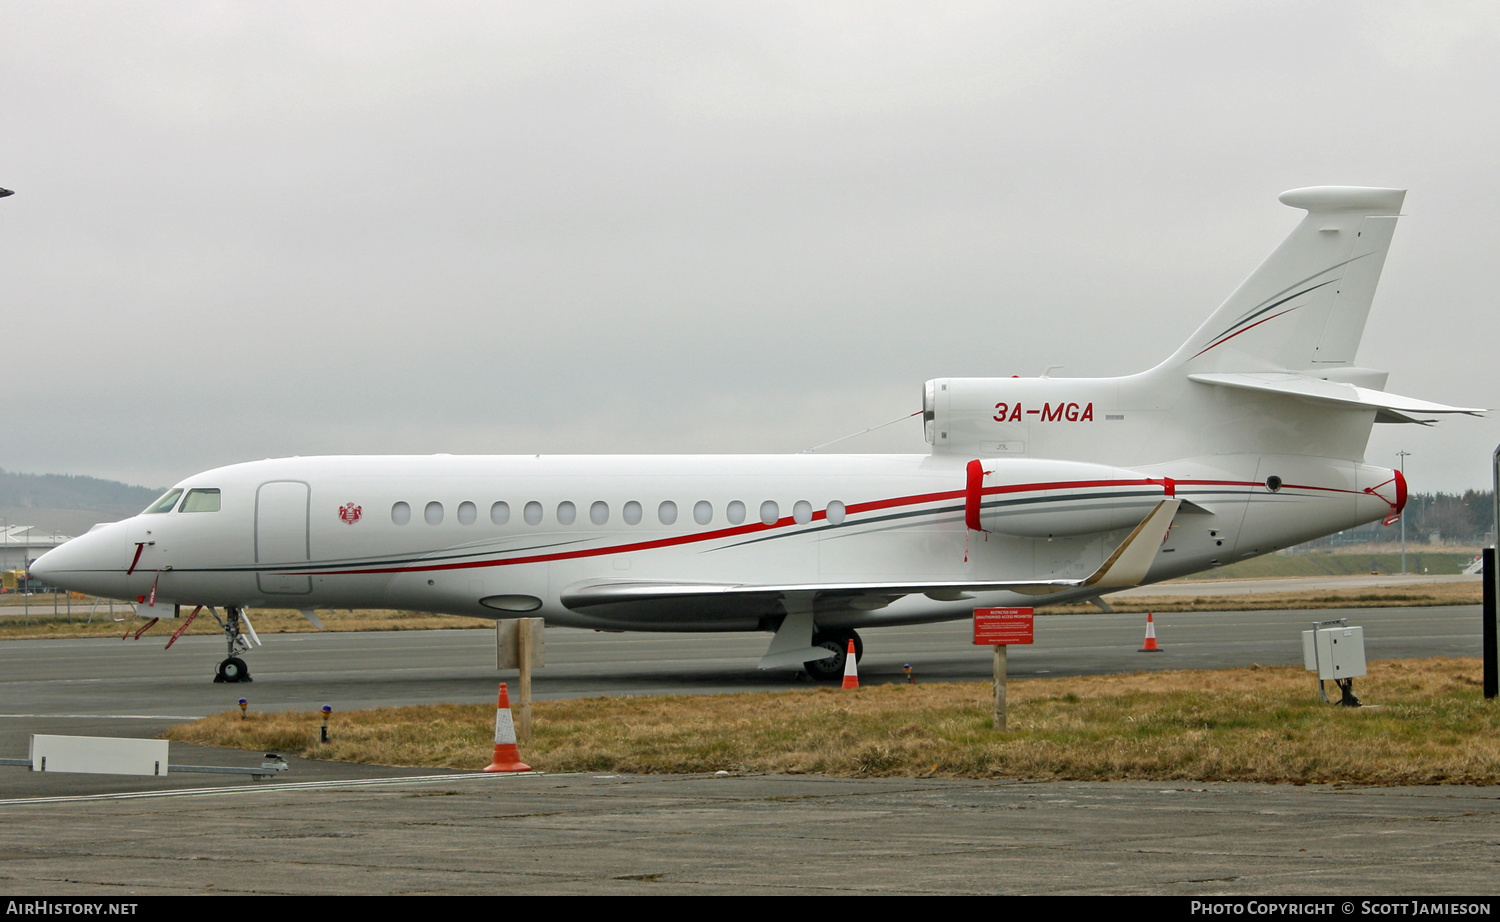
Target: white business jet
[(1249, 438)]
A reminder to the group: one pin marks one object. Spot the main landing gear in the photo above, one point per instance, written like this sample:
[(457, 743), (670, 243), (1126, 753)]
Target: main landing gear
[(837, 643), (238, 633)]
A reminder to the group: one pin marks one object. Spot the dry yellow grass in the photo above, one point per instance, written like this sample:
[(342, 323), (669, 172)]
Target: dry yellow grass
[(1430, 725), (43, 624)]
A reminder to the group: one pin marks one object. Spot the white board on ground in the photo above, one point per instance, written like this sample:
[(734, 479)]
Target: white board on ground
[(98, 755)]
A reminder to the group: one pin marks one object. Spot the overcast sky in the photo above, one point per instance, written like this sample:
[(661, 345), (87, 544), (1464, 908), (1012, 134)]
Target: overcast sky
[(251, 229)]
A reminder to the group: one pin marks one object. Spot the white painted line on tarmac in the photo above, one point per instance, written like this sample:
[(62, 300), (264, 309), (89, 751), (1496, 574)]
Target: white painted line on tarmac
[(262, 789), (103, 716)]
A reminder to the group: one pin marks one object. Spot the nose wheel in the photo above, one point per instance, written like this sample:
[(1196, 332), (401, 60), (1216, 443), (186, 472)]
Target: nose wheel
[(232, 670), (239, 634)]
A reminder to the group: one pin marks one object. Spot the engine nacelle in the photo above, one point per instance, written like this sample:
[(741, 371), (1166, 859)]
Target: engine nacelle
[(1027, 417), (1045, 499)]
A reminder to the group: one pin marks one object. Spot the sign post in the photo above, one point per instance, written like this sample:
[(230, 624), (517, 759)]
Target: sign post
[(520, 644), (1000, 627), (1490, 633)]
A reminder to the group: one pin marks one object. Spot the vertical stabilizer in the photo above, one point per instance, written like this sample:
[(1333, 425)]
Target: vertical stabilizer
[(1304, 309), (1271, 372)]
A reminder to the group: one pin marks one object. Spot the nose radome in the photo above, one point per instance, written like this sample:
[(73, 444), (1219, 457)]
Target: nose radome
[(89, 563), (42, 568)]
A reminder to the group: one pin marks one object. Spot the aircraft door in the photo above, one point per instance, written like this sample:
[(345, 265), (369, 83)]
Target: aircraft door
[(281, 535)]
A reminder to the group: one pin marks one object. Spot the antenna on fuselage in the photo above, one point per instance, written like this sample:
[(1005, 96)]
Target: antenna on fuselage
[(808, 451)]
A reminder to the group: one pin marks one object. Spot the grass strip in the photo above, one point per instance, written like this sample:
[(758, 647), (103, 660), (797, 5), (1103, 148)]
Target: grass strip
[(1427, 595), (1430, 725)]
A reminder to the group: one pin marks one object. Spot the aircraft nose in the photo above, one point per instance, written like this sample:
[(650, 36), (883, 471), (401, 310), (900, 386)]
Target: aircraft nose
[(89, 563), (42, 569)]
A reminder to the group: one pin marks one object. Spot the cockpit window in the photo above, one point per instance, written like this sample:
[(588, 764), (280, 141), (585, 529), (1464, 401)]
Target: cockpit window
[(201, 501), (165, 504)]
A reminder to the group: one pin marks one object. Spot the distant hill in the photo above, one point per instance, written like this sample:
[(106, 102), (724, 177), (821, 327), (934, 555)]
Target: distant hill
[(68, 504)]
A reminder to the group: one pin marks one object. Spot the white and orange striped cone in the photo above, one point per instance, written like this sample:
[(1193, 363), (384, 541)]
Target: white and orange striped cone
[(1150, 646), (851, 668), (507, 756)]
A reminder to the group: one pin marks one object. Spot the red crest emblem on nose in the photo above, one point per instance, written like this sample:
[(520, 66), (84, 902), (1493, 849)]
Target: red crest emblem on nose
[(350, 513)]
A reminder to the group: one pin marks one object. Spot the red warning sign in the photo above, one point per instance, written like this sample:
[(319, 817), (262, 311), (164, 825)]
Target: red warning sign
[(1002, 626)]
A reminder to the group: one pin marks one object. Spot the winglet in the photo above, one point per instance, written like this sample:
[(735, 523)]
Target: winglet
[(1127, 566)]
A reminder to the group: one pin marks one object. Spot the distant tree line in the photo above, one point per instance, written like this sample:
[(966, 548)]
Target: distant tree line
[(66, 491), (1464, 518)]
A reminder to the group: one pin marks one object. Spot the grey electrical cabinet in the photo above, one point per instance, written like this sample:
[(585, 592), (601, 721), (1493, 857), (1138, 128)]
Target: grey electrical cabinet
[(1334, 652)]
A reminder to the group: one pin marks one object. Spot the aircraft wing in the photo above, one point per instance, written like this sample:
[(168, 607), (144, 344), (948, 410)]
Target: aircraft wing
[(1390, 408), (658, 600)]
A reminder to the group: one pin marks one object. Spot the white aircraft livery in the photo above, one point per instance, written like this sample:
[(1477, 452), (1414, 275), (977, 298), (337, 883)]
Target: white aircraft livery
[(1249, 438)]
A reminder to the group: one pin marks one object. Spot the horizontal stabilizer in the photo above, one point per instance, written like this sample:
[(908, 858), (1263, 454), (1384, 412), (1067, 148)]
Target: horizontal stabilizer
[(1389, 407), (632, 599)]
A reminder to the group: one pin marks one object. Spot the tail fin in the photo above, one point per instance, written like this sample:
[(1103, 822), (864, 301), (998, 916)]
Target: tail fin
[(1270, 372), (1304, 309)]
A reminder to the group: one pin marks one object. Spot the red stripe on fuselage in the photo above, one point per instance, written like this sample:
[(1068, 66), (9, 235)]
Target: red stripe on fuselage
[(752, 528)]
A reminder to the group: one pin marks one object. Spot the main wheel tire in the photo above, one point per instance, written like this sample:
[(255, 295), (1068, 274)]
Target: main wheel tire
[(836, 641), (826, 670)]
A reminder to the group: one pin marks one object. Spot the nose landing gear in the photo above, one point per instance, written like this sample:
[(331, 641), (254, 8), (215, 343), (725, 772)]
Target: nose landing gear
[(239, 634)]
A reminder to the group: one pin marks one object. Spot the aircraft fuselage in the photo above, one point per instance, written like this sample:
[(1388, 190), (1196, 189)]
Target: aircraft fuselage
[(486, 535)]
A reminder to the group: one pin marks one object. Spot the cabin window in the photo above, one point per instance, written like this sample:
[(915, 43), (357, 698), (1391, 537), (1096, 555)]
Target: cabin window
[(703, 512), (401, 513), (201, 501), (500, 513), (467, 513), (836, 513), (667, 512), (599, 512), (567, 513), (735, 512), (770, 512), (433, 513), (532, 513), (165, 504), (632, 513), (802, 512)]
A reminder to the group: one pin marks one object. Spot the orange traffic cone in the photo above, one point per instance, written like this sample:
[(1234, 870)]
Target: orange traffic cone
[(851, 668), (1150, 646), (507, 756)]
